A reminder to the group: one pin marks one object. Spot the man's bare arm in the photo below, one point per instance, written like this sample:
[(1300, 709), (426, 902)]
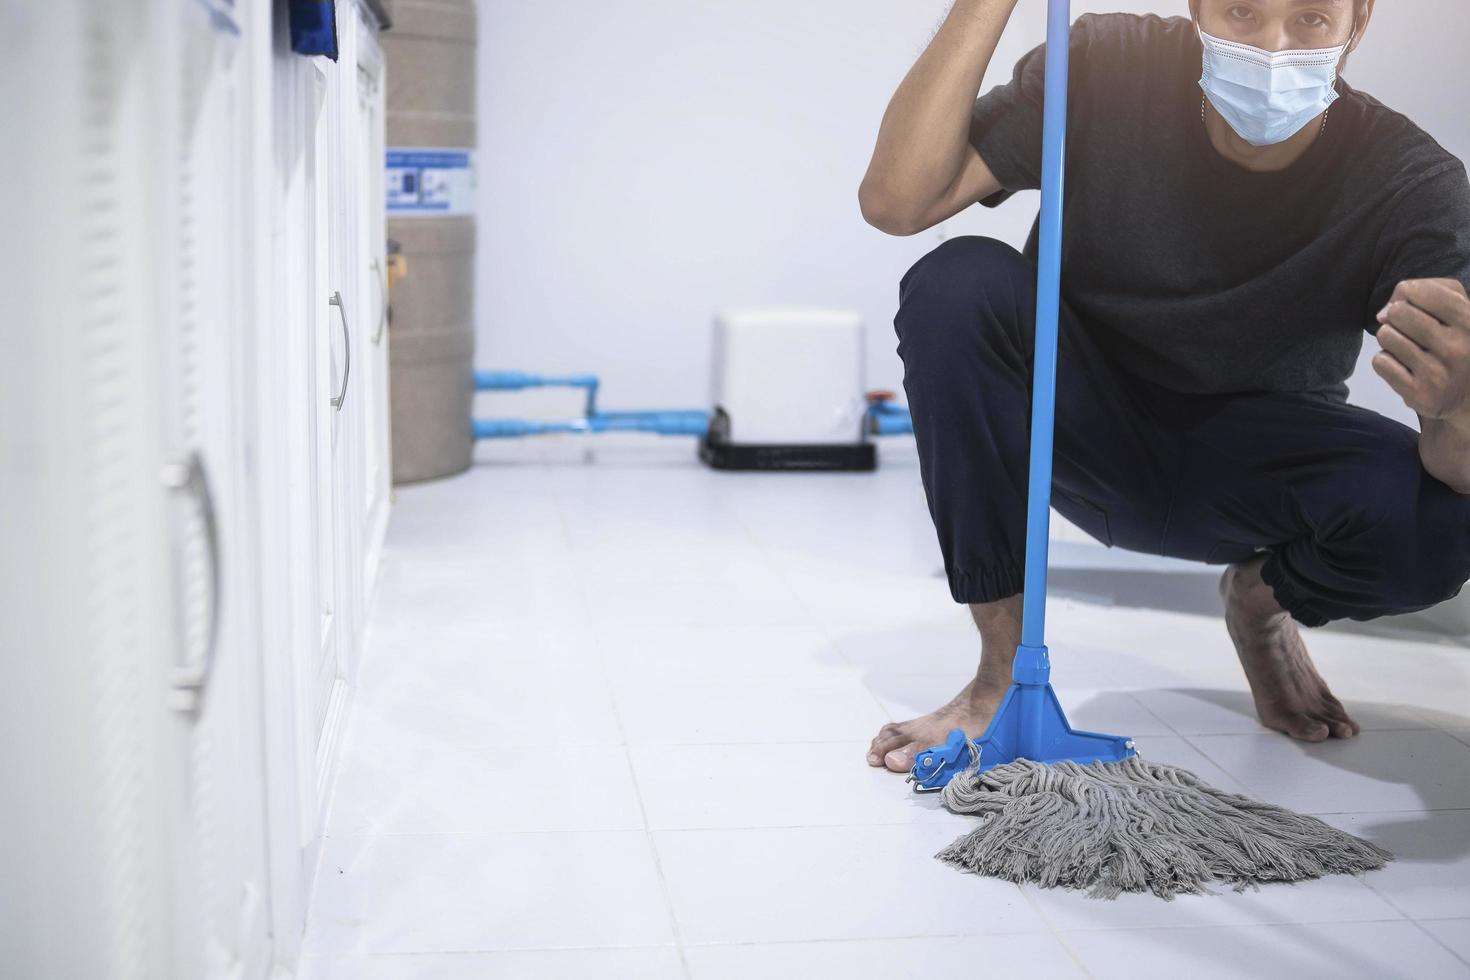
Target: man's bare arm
[(924, 169), (1444, 448)]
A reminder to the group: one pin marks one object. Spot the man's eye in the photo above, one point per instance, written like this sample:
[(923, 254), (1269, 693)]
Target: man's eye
[(1314, 20), (1240, 12)]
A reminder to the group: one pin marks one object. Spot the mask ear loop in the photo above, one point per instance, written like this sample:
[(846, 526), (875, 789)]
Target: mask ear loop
[(1354, 35), (1346, 48)]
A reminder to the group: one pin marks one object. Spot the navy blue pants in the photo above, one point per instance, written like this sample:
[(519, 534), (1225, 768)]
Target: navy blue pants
[(1335, 494)]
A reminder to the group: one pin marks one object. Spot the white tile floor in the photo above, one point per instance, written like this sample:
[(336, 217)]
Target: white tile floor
[(612, 719)]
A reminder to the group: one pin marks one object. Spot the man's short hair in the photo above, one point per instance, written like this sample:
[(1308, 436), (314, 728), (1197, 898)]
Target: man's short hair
[(1360, 8)]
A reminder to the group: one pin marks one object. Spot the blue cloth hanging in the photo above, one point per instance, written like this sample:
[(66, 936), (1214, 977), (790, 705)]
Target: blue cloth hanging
[(314, 27)]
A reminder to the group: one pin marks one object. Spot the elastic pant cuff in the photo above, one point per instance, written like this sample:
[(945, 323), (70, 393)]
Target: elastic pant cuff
[(1290, 598), (989, 584)]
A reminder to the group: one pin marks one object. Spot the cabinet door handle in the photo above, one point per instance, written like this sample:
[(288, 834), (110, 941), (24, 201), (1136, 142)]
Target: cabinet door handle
[(341, 396), (191, 678), (382, 301)]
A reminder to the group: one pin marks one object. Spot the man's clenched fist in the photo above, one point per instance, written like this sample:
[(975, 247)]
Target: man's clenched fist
[(1425, 335)]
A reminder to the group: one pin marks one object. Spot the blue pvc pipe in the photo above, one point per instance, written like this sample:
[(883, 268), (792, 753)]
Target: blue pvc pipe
[(515, 428), (519, 380), (694, 422), (665, 423), (887, 419), (1048, 300), (674, 423), (891, 420)]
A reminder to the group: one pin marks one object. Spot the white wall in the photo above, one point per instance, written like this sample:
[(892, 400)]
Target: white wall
[(644, 163)]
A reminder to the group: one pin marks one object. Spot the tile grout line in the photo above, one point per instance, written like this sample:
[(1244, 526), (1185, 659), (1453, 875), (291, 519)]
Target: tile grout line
[(809, 615), (1053, 931), (1273, 924), (810, 619), (1189, 740), (769, 827), (505, 950), (818, 941), (1152, 714), (665, 889), (1434, 939), (1388, 900)]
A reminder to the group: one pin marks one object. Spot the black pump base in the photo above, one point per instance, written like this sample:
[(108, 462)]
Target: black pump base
[(856, 458), (717, 451)]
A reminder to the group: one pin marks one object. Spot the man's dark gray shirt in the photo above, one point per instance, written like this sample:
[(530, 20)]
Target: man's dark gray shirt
[(1195, 273)]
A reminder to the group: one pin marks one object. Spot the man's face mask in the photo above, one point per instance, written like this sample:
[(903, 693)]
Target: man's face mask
[(1267, 96)]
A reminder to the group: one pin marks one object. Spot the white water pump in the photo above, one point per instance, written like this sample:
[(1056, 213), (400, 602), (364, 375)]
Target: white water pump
[(788, 391)]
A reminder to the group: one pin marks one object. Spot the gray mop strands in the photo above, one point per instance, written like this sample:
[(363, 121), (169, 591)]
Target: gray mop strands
[(1134, 826)]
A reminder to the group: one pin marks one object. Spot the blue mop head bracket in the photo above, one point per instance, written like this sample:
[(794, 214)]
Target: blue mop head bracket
[(935, 767), (1030, 723)]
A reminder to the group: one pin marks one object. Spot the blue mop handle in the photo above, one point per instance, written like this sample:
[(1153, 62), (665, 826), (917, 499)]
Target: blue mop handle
[(1048, 300)]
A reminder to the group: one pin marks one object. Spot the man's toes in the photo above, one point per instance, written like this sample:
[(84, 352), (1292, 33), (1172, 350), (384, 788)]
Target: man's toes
[(901, 759), (889, 737), (1308, 730), (1339, 723)]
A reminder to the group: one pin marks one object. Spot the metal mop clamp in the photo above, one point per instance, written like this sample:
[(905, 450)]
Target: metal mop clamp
[(1030, 723)]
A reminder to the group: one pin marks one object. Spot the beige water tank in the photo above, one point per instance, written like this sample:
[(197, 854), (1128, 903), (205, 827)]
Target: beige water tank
[(431, 105)]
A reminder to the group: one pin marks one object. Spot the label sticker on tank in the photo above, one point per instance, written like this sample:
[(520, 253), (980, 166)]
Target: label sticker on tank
[(430, 180)]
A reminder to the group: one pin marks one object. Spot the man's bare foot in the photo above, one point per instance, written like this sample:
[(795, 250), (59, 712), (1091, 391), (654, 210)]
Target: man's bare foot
[(999, 624), (898, 742), (1290, 695)]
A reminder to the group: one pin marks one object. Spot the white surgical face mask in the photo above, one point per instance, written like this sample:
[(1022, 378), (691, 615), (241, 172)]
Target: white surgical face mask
[(1267, 96)]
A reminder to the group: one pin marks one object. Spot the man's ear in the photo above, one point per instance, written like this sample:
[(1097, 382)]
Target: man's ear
[(1364, 13)]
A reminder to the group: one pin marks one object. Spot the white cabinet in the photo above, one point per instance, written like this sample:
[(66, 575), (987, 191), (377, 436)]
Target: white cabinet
[(327, 434), (193, 473), (372, 267), (88, 741), (329, 230), (202, 255)]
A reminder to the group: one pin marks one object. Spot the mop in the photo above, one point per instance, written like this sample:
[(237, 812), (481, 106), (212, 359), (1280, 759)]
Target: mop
[(1075, 809)]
